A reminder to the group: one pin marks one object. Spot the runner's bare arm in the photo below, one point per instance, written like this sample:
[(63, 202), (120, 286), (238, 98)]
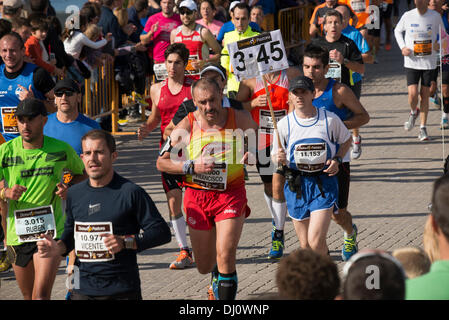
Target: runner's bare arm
[(213, 44), (168, 130), (244, 94), (344, 97), (155, 118)]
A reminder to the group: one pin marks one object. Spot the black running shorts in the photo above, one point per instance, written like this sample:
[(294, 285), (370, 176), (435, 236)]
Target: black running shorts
[(414, 76)]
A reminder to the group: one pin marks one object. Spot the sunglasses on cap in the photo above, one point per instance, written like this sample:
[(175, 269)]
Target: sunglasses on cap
[(185, 11), (68, 93)]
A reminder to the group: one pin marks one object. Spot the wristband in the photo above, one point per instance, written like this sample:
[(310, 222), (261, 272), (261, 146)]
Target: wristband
[(188, 167), (2, 195)]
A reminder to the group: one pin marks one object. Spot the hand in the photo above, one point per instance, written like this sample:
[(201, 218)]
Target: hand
[(61, 190), (259, 101), (129, 29), (108, 37), (140, 47), (332, 170), (205, 164), (280, 157), (15, 192), (25, 93), (154, 28), (198, 64), (113, 242), (337, 56), (47, 247), (406, 51), (142, 132)]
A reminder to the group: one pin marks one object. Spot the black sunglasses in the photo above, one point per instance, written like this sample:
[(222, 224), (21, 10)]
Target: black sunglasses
[(185, 11), (68, 93)]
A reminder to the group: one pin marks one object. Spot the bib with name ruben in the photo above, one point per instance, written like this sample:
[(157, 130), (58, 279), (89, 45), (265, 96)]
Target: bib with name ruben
[(31, 223)]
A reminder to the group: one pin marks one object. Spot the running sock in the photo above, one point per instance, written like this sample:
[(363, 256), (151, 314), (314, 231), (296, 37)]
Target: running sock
[(227, 286), (279, 213), (446, 104), (179, 226), (422, 126), (269, 201), (356, 139)]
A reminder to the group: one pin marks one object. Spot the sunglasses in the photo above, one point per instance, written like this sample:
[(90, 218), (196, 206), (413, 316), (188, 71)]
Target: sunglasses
[(185, 11), (68, 93)]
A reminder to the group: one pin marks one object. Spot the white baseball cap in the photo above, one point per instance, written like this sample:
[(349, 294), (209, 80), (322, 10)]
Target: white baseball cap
[(189, 4), (233, 4)]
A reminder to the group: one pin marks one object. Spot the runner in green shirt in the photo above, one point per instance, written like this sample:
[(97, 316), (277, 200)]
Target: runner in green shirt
[(32, 167)]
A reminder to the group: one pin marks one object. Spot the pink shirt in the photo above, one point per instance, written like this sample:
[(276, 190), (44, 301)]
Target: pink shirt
[(161, 38), (214, 27)]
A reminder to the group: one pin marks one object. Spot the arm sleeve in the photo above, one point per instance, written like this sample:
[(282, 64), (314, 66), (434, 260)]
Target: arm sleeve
[(155, 230), (69, 225), (399, 32), (92, 44), (183, 110), (34, 52)]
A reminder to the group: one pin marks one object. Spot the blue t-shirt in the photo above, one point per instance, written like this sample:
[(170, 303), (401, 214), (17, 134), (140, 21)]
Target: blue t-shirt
[(229, 26), (71, 132), (355, 35)]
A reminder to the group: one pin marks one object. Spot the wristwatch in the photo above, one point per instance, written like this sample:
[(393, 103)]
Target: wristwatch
[(129, 242), (338, 159), (345, 61)]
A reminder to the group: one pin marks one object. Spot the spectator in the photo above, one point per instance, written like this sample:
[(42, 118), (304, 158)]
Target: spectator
[(269, 9), (435, 284), (12, 9), (256, 15), (136, 12), (230, 25), (22, 27), (307, 275), (75, 39), (430, 242), (373, 275), (414, 261), (208, 11), (109, 23), (36, 50)]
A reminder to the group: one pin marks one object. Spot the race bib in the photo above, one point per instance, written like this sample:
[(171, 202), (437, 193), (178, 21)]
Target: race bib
[(31, 223), (89, 245), (310, 157), (160, 71), (266, 122), (422, 48), (358, 6), (190, 70), (334, 71), (9, 120), (215, 180)]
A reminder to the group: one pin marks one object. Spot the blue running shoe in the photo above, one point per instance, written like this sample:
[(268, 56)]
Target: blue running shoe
[(350, 245)]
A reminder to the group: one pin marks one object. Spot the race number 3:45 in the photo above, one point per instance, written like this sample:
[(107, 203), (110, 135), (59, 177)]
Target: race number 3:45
[(253, 57)]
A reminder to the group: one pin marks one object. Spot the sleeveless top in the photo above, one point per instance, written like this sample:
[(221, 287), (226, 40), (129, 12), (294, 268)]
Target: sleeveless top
[(326, 101), (9, 97), (169, 103), (279, 100), (227, 151), (309, 146)]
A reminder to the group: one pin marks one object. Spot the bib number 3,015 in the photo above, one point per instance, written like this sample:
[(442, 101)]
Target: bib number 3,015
[(258, 55)]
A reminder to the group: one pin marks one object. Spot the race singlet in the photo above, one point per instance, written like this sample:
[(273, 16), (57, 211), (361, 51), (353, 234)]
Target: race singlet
[(89, 244)]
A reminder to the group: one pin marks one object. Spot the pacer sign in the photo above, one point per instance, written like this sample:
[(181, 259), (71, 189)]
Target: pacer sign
[(256, 56)]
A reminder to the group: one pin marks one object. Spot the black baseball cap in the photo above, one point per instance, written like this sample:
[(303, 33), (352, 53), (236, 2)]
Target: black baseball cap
[(301, 82), (31, 107), (66, 84)]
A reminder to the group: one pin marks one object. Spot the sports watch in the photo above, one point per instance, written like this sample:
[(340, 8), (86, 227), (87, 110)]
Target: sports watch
[(129, 242), (338, 159)]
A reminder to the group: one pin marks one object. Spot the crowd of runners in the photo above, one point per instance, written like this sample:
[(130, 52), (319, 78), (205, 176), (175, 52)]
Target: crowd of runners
[(301, 126)]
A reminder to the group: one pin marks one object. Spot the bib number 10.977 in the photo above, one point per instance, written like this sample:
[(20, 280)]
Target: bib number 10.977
[(258, 55)]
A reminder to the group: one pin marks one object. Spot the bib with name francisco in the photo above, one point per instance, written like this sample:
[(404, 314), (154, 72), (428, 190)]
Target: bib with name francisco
[(225, 146)]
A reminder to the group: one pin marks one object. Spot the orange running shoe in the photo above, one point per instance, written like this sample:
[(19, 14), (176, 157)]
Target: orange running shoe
[(184, 260)]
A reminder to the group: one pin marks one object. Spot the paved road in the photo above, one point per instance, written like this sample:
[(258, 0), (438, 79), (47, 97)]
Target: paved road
[(390, 190)]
